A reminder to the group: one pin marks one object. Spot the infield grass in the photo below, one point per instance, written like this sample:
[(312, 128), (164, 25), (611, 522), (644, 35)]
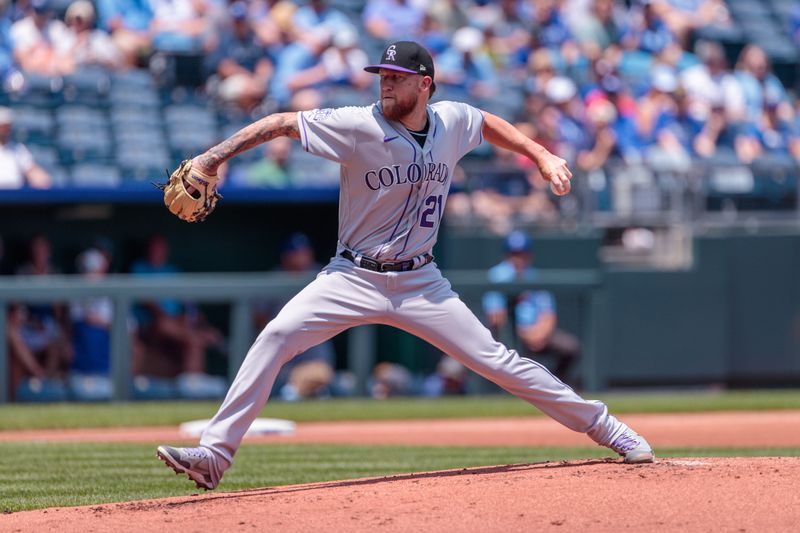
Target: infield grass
[(71, 415), (40, 475)]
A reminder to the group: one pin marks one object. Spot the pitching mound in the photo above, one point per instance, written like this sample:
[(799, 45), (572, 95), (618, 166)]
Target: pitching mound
[(695, 494)]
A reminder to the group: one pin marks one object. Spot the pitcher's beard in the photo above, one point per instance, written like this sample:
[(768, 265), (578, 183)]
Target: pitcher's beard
[(396, 109)]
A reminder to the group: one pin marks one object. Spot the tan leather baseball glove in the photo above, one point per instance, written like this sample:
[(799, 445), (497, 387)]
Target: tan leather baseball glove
[(191, 194)]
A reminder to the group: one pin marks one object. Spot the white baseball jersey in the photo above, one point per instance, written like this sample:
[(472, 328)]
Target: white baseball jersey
[(393, 191), (391, 201)]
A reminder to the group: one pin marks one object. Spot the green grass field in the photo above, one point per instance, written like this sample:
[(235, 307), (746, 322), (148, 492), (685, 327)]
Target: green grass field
[(34, 416), (40, 475)]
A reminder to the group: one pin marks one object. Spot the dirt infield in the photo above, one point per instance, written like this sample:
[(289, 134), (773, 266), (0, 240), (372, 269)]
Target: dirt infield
[(672, 495), (693, 494)]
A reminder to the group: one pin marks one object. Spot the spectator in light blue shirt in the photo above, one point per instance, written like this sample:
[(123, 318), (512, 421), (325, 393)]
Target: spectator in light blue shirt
[(128, 22), (534, 311), (753, 72), (6, 56), (393, 19), (174, 335), (466, 66)]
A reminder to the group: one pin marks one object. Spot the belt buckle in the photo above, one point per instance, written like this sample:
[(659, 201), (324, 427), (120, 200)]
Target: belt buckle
[(370, 264)]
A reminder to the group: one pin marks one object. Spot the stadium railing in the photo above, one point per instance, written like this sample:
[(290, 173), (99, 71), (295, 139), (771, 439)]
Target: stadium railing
[(241, 289)]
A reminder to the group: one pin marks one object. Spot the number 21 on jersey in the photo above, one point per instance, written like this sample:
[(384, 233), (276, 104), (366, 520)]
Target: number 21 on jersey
[(429, 217)]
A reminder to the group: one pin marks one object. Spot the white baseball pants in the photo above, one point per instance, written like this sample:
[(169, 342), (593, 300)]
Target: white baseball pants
[(420, 302)]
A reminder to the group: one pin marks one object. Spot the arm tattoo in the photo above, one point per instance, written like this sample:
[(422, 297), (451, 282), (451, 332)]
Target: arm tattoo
[(266, 129)]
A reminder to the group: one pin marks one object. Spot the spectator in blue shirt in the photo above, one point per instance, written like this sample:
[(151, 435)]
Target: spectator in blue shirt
[(321, 22), (754, 73), (535, 315), (390, 20), (794, 25), (611, 117), (175, 335), (128, 22), (777, 139), (240, 64), (571, 137), (647, 32), (599, 28), (466, 66), (341, 64), (722, 141), (6, 47), (91, 320), (549, 27)]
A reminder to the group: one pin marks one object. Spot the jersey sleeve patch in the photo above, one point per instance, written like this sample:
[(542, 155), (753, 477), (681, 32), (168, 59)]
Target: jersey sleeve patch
[(330, 133)]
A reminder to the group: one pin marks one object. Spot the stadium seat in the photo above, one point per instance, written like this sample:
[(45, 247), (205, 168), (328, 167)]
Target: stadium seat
[(134, 78), (40, 91), (95, 175), (41, 390), (196, 386), (124, 117), (89, 85), (90, 388), (311, 171), (72, 117), (84, 145), (194, 114), (33, 124), (144, 163), (746, 9), (45, 156), (152, 388), (132, 96)]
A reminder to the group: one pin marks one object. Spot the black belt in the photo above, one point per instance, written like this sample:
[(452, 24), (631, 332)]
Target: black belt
[(376, 266)]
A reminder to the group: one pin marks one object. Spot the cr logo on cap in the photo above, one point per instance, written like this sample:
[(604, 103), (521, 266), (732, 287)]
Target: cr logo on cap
[(390, 53)]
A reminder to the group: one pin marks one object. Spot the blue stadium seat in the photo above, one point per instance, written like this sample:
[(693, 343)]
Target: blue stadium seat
[(87, 85), (190, 114), (133, 78), (71, 117), (84, 144), (200, 386), (90, 388), (131, 96), (41, 390), (33, 124), (152, 388), (311, 171), (186, 141), (143, 163), (95, 175), (746, 9), (39, 91), (45, 156), (125, 117)]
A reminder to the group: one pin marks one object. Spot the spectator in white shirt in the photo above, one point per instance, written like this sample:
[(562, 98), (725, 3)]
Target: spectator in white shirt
[(17, 167), (36, 39)]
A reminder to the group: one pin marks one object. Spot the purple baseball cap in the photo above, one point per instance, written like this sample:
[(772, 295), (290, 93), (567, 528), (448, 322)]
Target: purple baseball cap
[(405, 56)]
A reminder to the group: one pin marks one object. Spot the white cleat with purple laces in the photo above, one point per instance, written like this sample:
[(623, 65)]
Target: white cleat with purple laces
[(197, 463), (633, 447)]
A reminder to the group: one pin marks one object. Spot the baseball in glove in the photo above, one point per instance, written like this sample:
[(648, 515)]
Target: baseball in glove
[(190, 194)]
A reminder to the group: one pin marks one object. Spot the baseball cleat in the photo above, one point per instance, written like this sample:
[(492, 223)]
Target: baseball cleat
[(194, 462), (633, 447)]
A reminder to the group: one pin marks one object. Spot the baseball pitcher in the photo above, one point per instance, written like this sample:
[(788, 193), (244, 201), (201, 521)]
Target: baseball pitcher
[(397, 158)]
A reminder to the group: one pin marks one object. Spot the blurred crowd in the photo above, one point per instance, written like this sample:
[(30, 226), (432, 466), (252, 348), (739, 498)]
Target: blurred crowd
[(62, 350), (595, 81)]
